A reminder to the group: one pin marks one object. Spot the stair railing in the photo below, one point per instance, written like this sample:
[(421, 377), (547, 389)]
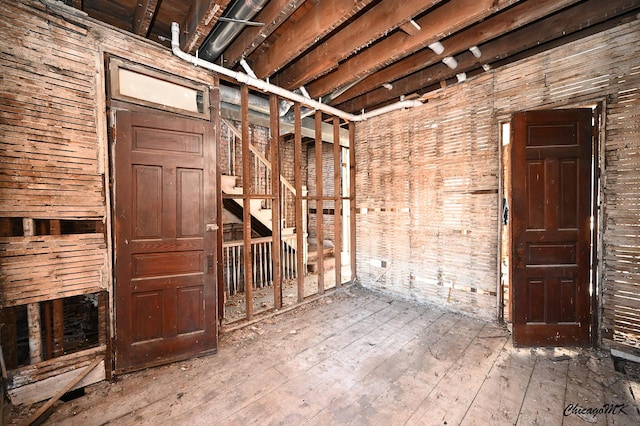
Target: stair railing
[(262, 266), (262, 175)]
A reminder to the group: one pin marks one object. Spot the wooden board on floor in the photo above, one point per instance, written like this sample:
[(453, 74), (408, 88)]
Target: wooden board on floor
[(366, 359)]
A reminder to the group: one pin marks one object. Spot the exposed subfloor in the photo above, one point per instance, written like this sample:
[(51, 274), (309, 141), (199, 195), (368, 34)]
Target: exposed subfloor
[(362, 358)]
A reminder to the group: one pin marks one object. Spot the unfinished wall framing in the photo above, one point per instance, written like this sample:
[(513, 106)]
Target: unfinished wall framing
[(431, 175), (266, 185), (55, 238), (55, 226)]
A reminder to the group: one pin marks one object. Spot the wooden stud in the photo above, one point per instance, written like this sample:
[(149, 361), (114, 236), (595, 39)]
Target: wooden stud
[(103, 331), (33, 309), (35, 333), (247, 190), (352, 197), (57, 306), (9, 337), (337, 191), (275, 191), (58, 327), (297, 170), (54, 227), (28, 226), (319, 203), (221, 295), (48, 330)]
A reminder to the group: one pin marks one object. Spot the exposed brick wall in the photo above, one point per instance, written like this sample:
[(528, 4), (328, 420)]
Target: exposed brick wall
[(328, 190)]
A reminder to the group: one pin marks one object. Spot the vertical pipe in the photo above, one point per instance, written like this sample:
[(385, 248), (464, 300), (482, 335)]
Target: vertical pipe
[(319, 203), (247, 190), (274, 111), (337, 191), (297, 170), (352, 197)]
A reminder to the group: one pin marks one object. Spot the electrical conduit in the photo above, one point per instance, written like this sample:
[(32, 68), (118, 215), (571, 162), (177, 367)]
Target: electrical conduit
[(279, 91)]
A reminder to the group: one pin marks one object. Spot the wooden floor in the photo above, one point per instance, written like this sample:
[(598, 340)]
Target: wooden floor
[(361, 358)]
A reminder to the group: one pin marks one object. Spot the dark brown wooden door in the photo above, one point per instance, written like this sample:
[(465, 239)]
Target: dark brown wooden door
[(551, 199), (165, 258)]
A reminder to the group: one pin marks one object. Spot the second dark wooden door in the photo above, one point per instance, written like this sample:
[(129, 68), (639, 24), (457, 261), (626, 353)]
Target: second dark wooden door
[(551, 199), (165, 258)]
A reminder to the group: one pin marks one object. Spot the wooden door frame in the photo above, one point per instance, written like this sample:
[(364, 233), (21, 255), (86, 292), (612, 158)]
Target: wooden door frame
[(599, 112), (112, 107)]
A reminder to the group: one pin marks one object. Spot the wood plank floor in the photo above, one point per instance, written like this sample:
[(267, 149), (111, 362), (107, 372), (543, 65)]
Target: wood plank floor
[(362, 358)]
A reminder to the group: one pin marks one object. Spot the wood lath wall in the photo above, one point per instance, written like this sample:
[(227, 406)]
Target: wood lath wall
[(54, 166), (48, 267), (428, 180), (426, 201)]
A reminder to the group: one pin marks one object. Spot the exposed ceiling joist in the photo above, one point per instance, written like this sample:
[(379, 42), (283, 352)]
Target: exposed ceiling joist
[(535, 34), (411, 27), (145, 10), (320, 20), (436, 25), (377, 21), (363, 54), (198, 23), (495, 26)]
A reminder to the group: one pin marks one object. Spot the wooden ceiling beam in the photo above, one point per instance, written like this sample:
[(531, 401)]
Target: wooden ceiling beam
[(379, 20), (566, 22), (411, 27), (436, 25), (495, 26), (272, 15), (197, 24), (320, 20), (143, 15)]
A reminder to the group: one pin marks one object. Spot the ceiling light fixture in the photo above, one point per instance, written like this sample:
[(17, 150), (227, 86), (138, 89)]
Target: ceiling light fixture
[(461, 77)]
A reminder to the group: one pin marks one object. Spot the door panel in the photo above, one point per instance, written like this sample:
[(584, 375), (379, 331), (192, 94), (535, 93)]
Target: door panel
[(165, 280), (551, 200)]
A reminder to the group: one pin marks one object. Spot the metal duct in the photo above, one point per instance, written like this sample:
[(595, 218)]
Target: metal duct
[(224, 32), (276, 90), (231, 95)]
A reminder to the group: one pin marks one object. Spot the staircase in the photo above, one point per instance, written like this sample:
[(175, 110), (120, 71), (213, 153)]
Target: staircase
[(328, 258), (261, 218), (258, 210)]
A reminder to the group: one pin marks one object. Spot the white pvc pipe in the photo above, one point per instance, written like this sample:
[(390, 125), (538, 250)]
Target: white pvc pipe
[(276, 90)]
